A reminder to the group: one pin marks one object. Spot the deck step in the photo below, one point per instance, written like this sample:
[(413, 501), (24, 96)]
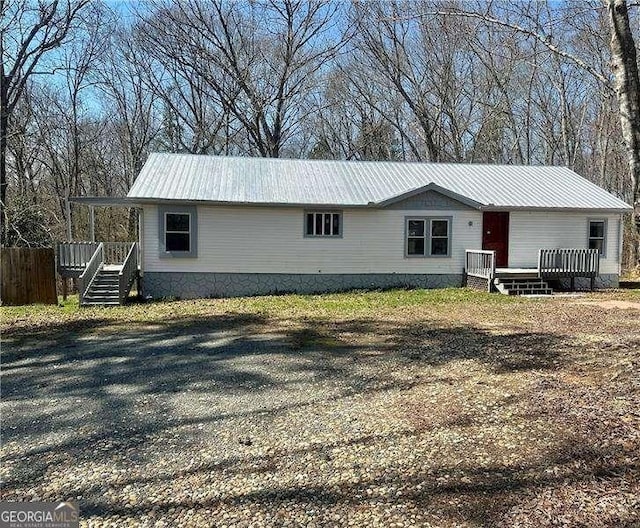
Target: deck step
[(105, 283), (522, 287), (104, 289), (92, 294)]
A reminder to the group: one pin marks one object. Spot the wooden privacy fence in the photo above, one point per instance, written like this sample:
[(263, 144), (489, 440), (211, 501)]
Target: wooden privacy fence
[(28, 276)]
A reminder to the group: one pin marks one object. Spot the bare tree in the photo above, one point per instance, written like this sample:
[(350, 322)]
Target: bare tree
[(624, 66), (193, 118), (30, 32), (260, 59), (130, 105)]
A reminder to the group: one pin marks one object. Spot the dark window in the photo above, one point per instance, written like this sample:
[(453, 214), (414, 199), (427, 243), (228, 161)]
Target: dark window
[(439, 246), (597, 235), (336, 223), (323, 224), (177, 222), (439, 237), (416, 228), (415, 246), (177, 232), (177, 242), (439, 228), (416, 237), (428, 237)]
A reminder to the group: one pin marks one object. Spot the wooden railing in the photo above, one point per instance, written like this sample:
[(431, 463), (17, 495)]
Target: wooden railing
[(128, 272), (569, 263), (480, 263), (93, 266), (116, 252), (74, 255)]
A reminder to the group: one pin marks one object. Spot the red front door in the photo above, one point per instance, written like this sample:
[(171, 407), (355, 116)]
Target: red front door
[(495, 236)]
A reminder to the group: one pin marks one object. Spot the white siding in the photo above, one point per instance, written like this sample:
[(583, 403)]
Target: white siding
[(270, 240), (530, 231)]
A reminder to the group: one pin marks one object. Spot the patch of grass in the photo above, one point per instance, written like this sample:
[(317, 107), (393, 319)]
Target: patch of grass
[(360, 304), (453, 305), (632, 274)]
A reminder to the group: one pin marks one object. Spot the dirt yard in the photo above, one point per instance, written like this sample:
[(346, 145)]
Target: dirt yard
[(402, 408)]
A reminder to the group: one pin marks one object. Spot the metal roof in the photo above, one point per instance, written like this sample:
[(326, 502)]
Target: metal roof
[(269, 181)]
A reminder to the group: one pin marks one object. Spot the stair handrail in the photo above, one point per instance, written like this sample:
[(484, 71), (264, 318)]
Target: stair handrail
[(128, 272), (90, 271)]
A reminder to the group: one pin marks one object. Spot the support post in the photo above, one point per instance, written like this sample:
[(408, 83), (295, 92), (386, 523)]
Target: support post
[(68, 208), (64, 288), (92, 223), (138, 285)]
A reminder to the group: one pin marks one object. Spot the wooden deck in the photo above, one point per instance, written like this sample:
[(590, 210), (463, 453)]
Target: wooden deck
[(553, 264), (516, 273), (72, 257), (104, 271)]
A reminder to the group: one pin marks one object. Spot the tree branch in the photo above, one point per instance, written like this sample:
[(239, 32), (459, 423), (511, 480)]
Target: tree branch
[(544, 40)]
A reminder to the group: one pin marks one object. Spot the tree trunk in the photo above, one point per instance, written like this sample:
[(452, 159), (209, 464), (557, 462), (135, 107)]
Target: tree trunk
[(624, 64), (4, 125)]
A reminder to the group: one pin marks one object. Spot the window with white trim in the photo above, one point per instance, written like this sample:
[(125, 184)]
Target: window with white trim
[(598, 235), (323, 224), (177, 232), (428, 237)]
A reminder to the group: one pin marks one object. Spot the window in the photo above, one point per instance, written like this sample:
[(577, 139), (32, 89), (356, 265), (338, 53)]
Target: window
[(439, 237), (177, 232), (597, 235), (416, 237), (323, 224), (428, 237)]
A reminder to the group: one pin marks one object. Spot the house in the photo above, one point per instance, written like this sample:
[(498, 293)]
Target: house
[(231, 226)]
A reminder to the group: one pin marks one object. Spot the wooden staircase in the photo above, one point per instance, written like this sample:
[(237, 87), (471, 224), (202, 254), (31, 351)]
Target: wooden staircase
[(104, 289), (108, 275), (522, 286)]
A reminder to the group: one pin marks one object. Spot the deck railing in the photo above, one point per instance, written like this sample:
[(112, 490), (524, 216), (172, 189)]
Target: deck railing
[(480, 263), (93, 266), (128, 272), (116, 252), (74, 255), (568, 263)]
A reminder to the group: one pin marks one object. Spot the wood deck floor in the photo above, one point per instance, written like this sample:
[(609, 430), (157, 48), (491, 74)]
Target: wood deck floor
[(516, 273)]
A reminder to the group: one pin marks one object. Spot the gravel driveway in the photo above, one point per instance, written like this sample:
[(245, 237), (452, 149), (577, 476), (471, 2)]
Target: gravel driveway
[(204, 425), (237, 421)]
